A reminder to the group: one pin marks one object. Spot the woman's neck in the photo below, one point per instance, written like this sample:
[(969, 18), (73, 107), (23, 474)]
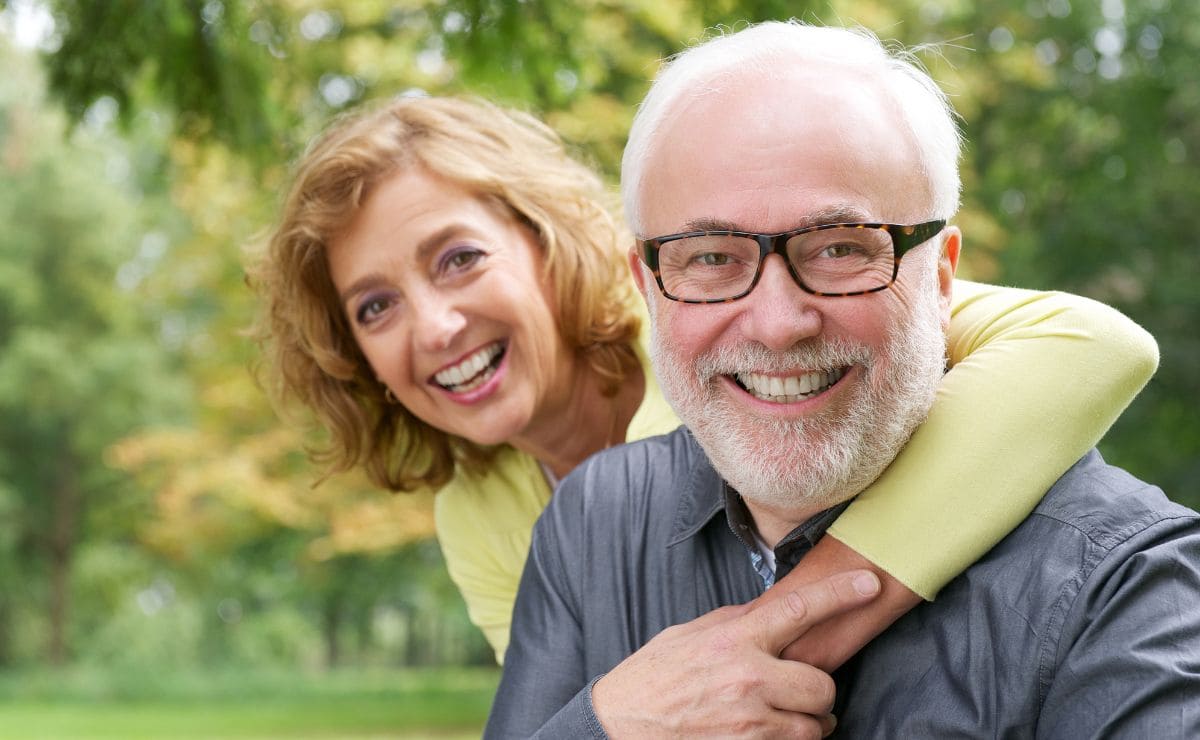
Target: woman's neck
[(588, 423)]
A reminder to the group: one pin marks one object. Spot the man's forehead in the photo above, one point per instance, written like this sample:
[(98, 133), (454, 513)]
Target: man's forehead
[(831, 214), (778, 152)]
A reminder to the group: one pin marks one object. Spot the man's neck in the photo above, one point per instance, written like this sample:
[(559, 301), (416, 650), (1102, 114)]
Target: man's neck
[(777, 559), (774, 525)]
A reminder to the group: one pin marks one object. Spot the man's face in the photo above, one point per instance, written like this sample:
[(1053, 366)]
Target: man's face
[(799, 400)]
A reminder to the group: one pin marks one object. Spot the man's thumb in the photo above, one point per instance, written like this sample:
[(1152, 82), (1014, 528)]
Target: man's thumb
[(782, 620)]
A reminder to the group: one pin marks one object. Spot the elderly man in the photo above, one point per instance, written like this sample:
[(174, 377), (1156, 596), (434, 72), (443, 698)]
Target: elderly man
[(791, 186)]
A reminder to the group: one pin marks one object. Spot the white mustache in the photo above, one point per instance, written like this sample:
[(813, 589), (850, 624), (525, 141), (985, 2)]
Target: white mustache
[(821, 356)]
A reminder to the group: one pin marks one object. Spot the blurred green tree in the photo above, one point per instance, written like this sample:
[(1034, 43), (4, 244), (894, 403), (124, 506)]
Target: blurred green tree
[(80, 361)]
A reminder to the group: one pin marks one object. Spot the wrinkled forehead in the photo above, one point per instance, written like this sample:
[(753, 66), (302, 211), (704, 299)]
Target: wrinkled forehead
[(765, 151)]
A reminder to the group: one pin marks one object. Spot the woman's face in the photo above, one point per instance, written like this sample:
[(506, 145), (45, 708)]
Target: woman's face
[(445, 295)]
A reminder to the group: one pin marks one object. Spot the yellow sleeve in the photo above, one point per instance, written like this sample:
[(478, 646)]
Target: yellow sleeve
[(484, 525), (1037, 378)]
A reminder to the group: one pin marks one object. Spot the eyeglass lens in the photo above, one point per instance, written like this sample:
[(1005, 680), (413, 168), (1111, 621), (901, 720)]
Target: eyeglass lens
[(719, 266)]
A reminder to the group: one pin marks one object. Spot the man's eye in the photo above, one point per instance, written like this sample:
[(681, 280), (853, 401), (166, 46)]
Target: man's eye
[(712, 259), (836, 251)]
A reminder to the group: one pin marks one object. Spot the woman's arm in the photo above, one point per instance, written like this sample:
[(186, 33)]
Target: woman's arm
[(1037, 379)]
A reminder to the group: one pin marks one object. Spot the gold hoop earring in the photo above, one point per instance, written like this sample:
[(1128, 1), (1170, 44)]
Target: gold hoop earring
[(390, 397)]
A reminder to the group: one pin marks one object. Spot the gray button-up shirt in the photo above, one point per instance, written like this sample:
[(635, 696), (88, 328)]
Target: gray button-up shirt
[(1084, 622)]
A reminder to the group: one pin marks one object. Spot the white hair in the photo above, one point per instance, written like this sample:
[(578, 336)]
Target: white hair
[(760, 49)]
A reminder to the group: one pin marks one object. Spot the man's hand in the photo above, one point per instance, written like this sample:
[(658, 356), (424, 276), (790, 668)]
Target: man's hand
[(831, 643), (721, 674)]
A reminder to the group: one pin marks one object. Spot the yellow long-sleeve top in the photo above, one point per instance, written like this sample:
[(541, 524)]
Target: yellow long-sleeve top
[(1037, 378)]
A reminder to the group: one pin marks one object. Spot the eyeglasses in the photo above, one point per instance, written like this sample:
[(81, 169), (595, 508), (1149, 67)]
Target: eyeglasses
[(826, 260)]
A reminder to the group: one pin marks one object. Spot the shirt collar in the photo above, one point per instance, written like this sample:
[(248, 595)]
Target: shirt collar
[(794, 545), (705, 494), (702, 495)]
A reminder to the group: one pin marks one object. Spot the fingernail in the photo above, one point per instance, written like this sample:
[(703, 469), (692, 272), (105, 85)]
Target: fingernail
[(866, 584)]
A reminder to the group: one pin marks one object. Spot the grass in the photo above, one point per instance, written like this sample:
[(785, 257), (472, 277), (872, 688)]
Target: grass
[(437, 703)]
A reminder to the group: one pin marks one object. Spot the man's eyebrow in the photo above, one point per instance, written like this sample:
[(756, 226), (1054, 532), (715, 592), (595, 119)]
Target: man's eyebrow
[(709, 224), (841, 214)]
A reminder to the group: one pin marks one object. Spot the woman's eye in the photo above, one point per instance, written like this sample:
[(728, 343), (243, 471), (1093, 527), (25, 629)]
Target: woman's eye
[(370, 309), (459, 259)]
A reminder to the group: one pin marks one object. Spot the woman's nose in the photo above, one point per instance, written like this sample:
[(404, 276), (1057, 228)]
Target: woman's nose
[(438, 323)]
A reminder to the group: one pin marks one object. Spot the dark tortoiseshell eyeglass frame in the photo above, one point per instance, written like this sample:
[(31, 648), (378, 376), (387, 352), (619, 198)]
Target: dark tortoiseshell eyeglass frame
[(904, 239)]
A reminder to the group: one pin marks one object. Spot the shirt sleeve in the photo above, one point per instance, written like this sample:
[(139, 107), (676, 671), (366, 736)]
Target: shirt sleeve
[(544, 691), (1127, 662), (1037, 378)]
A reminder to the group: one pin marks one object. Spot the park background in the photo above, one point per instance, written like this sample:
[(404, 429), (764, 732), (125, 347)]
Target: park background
[(167, 566)]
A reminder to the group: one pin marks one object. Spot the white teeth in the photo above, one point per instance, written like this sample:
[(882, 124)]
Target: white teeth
[(776, 386), (453, 377), (808, 382), (789, 389)]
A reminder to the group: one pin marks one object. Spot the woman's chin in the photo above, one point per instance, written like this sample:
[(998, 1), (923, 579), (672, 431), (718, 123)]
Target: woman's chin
[(489, 437)]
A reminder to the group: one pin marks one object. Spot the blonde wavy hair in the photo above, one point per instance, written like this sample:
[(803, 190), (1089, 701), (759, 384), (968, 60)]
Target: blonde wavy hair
[(504, 156)]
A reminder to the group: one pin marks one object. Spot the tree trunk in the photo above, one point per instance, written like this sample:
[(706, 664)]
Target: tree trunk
[(65, 502), (6, 612), (331, 626)]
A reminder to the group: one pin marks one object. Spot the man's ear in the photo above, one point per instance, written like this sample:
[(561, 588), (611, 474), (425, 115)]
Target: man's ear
[(946, 267), (638, 268)]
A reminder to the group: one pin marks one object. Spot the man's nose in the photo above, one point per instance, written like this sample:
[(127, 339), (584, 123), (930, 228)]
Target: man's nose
[(438, 322), (778, 312)]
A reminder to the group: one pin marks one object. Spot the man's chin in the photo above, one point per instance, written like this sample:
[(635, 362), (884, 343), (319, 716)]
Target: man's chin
[(776, 463)]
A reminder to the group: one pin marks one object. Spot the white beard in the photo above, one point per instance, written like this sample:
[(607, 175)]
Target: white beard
[(807, 465)]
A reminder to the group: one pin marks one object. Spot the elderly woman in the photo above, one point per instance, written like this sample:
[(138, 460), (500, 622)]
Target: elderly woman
[(448, 291)]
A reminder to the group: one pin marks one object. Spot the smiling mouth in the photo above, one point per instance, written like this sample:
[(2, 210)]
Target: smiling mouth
[(789, 389), (473, 371)]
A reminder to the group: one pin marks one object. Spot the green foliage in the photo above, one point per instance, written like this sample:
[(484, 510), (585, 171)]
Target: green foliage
[(207, 61), (253, 607), (80, 363)]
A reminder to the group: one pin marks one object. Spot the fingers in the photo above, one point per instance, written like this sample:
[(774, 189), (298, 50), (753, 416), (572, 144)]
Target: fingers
[(777, 624), (714, 676), (800, 688), (796, 727), (829, 644)]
